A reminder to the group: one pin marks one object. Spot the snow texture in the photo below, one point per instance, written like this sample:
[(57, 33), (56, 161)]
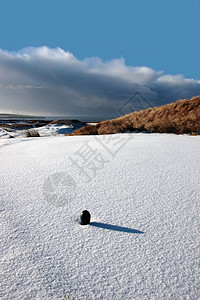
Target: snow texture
[(48, 130), (142, 191)]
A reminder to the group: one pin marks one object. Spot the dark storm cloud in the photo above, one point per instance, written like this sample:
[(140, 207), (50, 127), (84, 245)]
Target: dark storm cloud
[(48, 81)]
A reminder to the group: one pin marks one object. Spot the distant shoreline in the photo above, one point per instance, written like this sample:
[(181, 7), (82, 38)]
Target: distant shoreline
[(52, 118)]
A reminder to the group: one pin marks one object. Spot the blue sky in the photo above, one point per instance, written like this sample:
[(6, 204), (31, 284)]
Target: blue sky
[(163, 35), (160, 35)]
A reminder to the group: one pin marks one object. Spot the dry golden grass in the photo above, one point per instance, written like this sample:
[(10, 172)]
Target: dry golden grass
[(32, 133), (180, 117), (86, 130)]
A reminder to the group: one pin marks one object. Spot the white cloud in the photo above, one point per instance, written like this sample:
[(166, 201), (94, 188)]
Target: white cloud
[(54, 82)]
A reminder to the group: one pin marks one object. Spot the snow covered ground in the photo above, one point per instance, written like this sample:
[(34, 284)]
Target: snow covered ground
[(48, 130), (54, 129), (142, 191)]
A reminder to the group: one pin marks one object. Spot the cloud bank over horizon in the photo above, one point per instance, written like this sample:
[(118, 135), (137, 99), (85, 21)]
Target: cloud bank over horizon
[(45, 81)]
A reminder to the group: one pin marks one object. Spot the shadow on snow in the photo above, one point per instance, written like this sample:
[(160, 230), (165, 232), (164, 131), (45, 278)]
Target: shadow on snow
[(115, 227)]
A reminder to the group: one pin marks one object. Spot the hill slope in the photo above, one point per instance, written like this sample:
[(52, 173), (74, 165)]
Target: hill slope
[(182, 116)]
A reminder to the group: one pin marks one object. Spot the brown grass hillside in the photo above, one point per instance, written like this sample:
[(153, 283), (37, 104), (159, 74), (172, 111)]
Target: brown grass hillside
[(182, 116)]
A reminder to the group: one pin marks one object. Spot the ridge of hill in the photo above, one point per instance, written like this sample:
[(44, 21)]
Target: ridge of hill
[(182, 116)]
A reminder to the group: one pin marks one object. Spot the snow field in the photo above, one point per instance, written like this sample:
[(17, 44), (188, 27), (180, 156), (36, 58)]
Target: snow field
[(144, 200)]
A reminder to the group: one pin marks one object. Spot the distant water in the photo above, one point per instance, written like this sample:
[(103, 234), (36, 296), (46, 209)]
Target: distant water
[(80, 118)]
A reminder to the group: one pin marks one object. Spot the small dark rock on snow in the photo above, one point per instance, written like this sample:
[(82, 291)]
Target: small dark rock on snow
[(85, 217)]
